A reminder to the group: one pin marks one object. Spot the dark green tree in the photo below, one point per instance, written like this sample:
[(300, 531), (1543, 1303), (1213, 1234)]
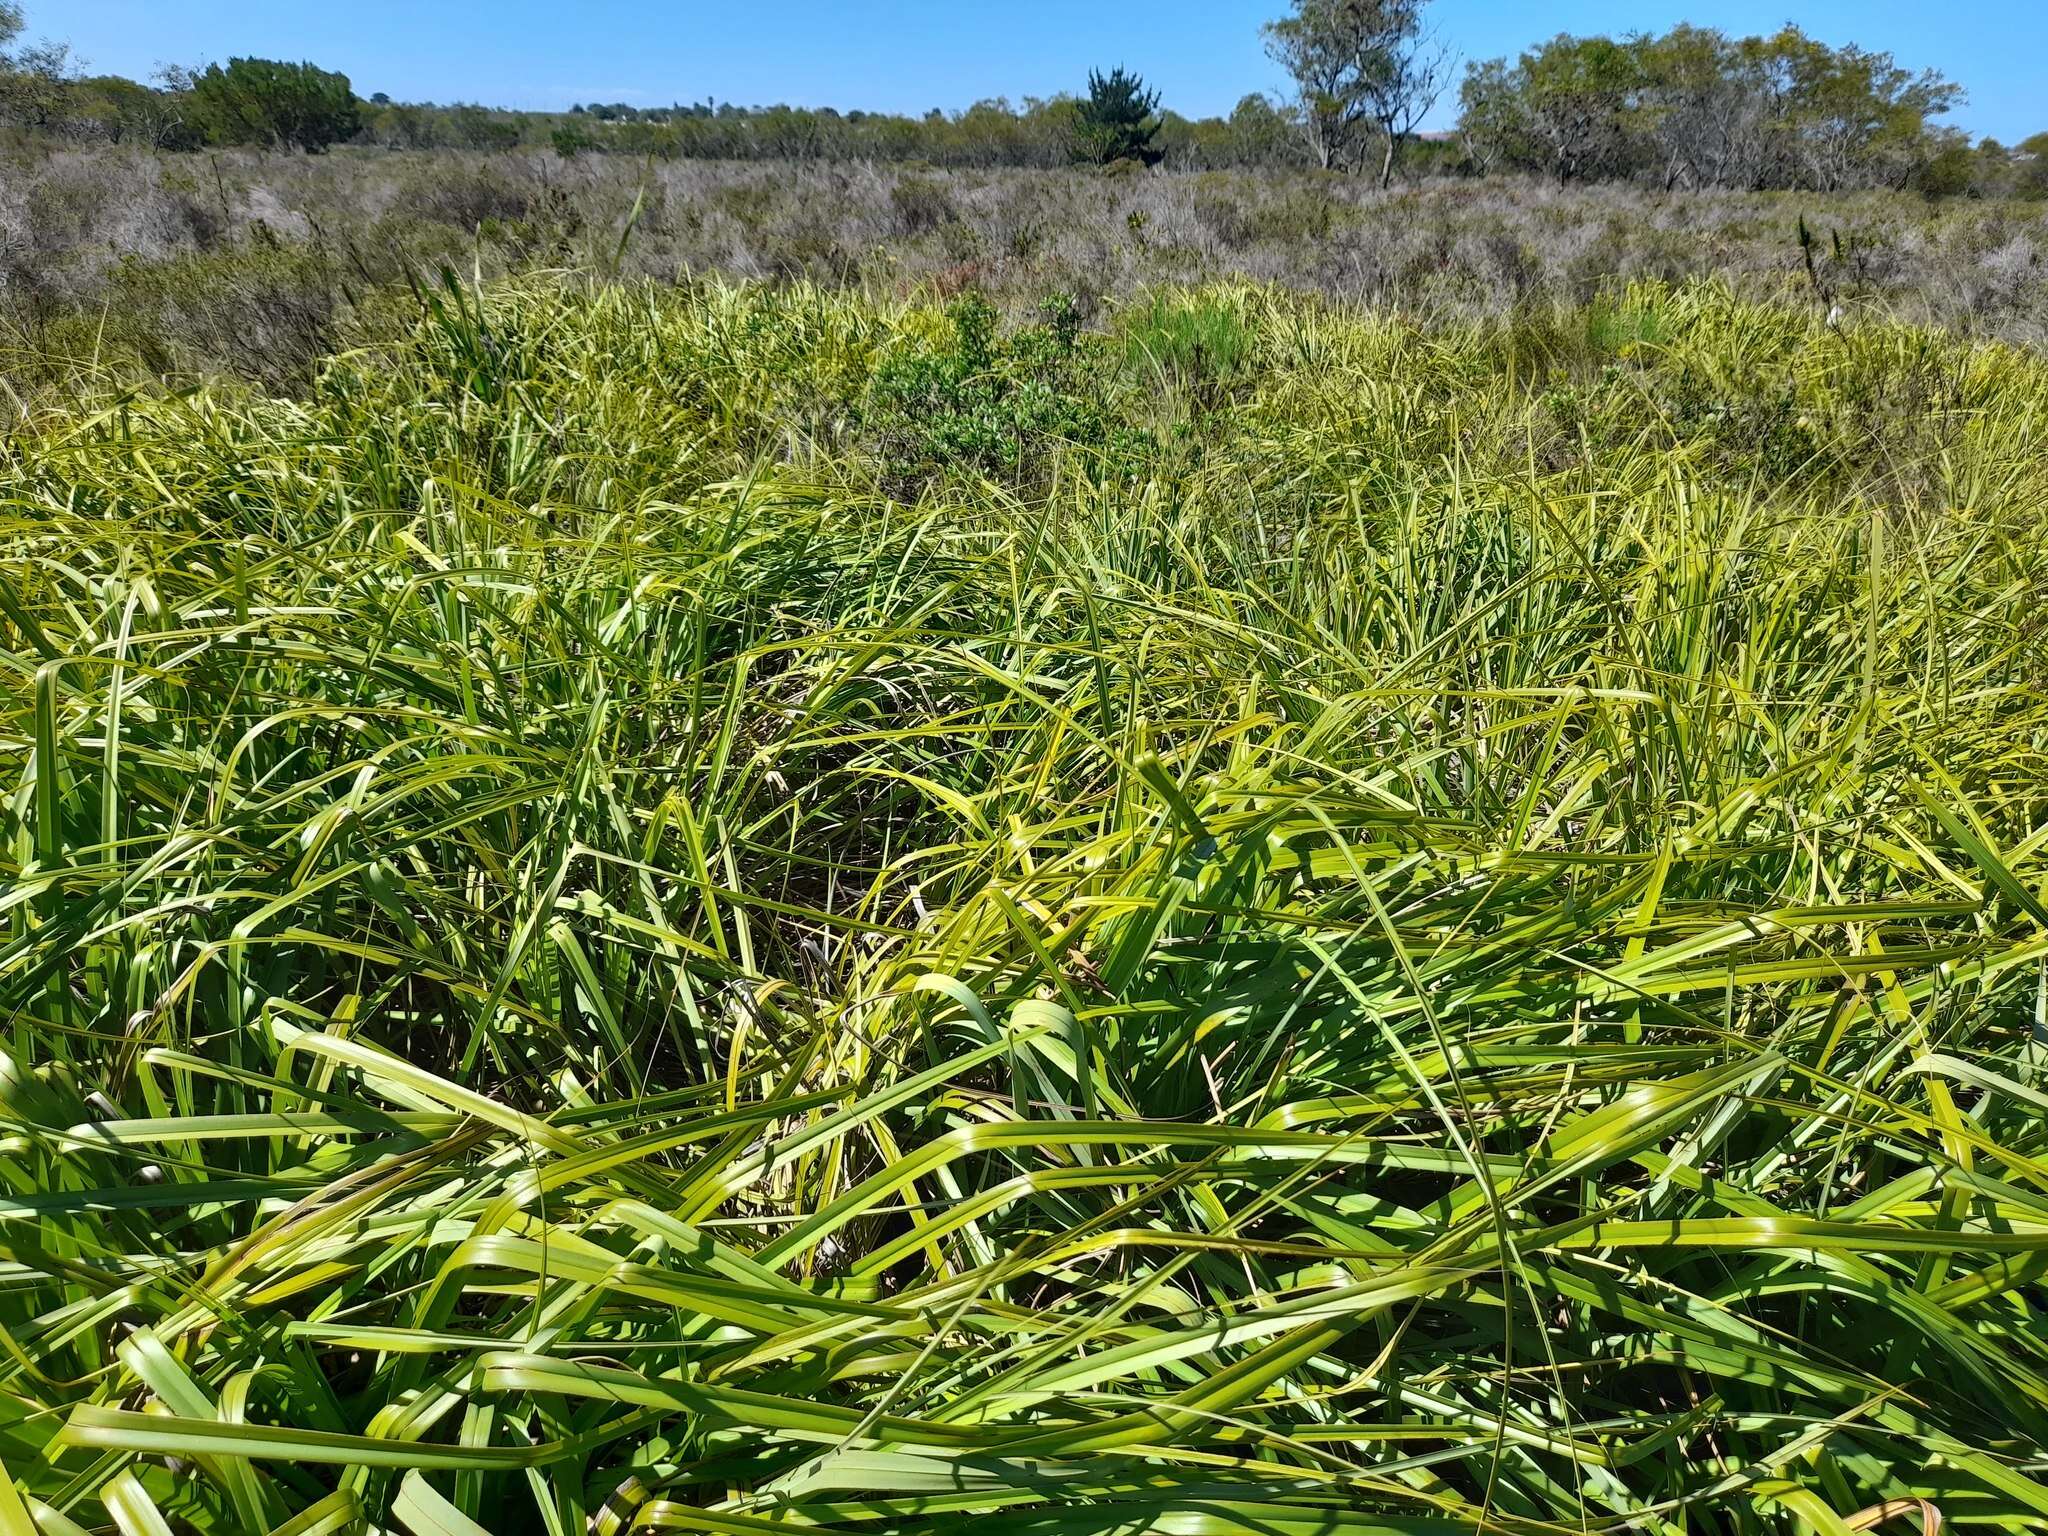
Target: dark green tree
[(1117, 120), (261, 101)]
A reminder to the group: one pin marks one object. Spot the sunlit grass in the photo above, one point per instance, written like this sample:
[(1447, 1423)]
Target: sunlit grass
[(1445, 932)]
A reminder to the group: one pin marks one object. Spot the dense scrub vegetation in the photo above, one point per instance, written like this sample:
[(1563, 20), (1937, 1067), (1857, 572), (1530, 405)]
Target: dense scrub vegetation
[(145, 265), (736, 908)]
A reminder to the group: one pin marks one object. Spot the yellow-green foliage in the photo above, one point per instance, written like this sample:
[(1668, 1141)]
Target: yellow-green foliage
[(1424, 929)]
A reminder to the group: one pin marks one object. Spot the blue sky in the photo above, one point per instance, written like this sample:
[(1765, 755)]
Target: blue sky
[(911, 55)]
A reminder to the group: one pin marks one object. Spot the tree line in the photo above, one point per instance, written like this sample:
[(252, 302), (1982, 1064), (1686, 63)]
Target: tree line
[(1697, 108), (1690, 108)]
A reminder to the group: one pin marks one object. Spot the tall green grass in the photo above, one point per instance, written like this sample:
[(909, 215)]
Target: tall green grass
[(1444, 933)]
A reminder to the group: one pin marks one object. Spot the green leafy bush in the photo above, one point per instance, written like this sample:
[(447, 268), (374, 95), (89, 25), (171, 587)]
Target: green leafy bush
[(263, 101), (984, 402)]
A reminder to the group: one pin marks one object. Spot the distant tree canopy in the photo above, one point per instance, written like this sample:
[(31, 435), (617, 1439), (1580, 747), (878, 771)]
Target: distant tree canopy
[(2032, 158), (1696, 108), (34, 79), (1690, 108), (1117, 120), (262, 101)]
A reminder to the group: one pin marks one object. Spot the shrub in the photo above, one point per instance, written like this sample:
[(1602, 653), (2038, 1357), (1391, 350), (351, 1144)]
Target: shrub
[(572, 139), (1242, 211), (262, 101), (262, 311), (920, 205), (985, 403)]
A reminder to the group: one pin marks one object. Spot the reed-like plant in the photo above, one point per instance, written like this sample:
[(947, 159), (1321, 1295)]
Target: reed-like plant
[(1443, 931)]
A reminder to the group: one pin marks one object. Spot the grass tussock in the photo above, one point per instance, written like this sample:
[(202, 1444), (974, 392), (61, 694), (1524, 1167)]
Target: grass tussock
[(1337, 925)]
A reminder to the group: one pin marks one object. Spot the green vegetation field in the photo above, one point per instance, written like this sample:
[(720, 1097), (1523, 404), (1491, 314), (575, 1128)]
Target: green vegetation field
[(745, 910)]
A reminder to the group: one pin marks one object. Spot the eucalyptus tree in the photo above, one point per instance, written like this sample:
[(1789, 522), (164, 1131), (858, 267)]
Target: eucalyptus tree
[(1362, 69)]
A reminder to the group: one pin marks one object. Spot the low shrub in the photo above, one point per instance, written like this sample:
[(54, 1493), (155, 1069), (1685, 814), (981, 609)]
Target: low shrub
[(984, 402)]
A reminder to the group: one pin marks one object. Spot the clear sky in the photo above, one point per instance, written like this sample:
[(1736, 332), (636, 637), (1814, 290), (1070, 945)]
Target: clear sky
[(912, 55)]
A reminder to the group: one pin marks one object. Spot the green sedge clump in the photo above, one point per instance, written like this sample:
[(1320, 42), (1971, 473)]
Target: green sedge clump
[(736, 908)]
